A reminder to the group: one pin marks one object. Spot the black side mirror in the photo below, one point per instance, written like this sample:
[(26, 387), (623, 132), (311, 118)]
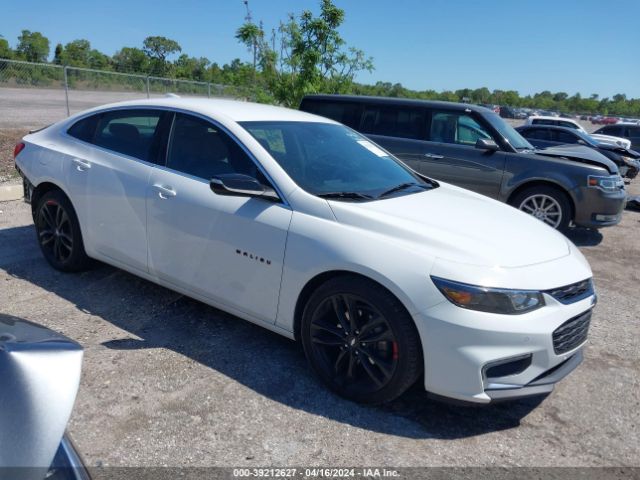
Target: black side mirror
[(239, 185), (487, 144)]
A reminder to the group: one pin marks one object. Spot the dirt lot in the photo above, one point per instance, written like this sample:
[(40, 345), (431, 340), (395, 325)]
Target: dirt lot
[(8, 139), (170, 381)]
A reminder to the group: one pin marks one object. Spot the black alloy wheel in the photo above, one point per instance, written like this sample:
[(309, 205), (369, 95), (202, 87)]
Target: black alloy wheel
[(58, 231), (360, 341), (54, 231)]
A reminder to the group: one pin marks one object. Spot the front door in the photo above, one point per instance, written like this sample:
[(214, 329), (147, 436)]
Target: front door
[(228, 249), (450, 155)]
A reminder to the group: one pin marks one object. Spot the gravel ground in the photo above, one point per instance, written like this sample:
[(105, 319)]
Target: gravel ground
[(168, 381)]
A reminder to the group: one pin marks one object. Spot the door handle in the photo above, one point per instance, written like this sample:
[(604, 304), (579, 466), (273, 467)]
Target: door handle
[(81, 165), (164, 191), (433, 155)]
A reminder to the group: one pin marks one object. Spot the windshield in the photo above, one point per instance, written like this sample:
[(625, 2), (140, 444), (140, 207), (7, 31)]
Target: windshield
[(333, 160), (516, 140), (587, 138)]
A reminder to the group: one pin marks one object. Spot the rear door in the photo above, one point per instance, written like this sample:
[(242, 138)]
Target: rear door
[(450, 155), (633, 133), (109, 182)]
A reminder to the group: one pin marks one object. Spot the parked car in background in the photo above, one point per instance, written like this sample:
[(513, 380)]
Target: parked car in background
[(600, 120), (628, 131), (511, 112), (306, 227), (474, 148), (39, 378), (570, 123), (492, 107), (544, 136)]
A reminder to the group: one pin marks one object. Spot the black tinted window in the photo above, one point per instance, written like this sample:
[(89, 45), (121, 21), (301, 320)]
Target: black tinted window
[(537, 134), (565, 137), (343, 112), (84, 129), (130, 132), (544, 121), (614, 130), (393, 121), (633, 132), (199, 148)]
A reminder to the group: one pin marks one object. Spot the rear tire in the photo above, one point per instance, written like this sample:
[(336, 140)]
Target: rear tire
[(360, 340), (548, 204), (58, 233)]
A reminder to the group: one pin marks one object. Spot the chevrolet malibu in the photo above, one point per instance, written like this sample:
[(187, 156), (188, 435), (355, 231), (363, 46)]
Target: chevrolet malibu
[(303, 226)]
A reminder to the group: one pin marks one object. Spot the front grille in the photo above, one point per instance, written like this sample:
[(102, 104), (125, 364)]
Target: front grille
[(574, 292), (571, 333)]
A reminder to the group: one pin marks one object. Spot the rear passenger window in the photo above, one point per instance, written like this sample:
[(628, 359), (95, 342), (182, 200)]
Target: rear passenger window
[(614, 130), (565, 137), (129, 132), (84, 129), (544, 121), (343, 112), (456, 127), (394, 121), (538, 134)]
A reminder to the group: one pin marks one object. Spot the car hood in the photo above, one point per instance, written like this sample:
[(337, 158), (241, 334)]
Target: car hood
[(623, 142), (580, 153), (627, 152), (454, 224)]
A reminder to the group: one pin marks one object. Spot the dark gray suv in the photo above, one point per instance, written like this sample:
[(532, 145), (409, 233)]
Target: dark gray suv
[(472, 147)]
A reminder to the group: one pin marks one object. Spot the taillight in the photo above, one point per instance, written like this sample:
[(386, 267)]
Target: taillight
[(17, 149)]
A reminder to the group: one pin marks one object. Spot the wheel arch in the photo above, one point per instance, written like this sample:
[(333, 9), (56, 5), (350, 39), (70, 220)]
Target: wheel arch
[(42, 188), (543, 183), (324, 277)]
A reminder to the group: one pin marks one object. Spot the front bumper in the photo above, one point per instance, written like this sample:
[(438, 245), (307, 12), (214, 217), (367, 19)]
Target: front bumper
[(542, 385), (596, 208), (460, 345)]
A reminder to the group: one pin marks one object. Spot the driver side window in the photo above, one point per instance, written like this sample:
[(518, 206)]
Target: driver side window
[(199, 148), (456, 127)]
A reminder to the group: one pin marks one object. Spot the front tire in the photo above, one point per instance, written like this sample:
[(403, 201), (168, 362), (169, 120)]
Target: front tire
[(360, 340), (548, 204), (58, 233)]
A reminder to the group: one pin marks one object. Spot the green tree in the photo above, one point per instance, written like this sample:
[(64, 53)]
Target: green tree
[(33, 46), (158, 49), (130, 60), (312, 56), (76, 53), (191, 68), (57, 54), (5, 49), (251, 35)]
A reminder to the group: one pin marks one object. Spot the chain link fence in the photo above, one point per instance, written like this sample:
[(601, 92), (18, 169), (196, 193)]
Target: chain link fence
[(37, 94)]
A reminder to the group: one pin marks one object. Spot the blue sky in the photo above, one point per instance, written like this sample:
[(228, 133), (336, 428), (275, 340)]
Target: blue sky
[(585, 46)]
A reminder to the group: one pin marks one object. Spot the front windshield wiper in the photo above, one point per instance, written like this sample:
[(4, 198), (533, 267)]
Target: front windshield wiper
[(347, 195), (402, 186)]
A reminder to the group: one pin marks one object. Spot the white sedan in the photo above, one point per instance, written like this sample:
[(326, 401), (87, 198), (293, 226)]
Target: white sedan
[(305, 227)]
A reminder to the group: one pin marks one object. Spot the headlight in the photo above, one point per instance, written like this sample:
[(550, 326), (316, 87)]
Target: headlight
[(492, 300), (632, 162), (609, 184)]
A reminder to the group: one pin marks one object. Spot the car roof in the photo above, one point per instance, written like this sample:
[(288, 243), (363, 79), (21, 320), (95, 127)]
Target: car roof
[(546, 117), (235, 110), (399, 101), (552, 127)]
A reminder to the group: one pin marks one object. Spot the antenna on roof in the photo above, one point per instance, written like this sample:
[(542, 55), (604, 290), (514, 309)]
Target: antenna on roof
[(248, 18)]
